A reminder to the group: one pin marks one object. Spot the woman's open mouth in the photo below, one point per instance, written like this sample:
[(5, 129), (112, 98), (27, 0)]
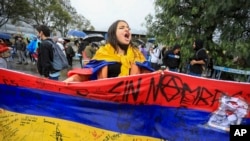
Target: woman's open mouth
[(127, 35)]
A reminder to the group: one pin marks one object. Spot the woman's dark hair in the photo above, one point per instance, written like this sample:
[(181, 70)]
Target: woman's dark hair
[(45, 29), (112, 39)]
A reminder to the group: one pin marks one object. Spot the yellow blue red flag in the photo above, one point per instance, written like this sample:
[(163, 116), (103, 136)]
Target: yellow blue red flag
[(148, 107)]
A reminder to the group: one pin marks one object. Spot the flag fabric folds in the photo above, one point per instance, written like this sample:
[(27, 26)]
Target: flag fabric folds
[(147, 107)]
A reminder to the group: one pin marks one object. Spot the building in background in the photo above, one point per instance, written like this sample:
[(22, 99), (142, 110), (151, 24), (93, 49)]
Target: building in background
[(19, 28)]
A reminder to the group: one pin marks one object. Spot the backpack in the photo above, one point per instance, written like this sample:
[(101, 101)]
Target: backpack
[(60, 61)]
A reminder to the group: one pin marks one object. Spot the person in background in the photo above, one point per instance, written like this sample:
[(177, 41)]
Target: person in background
[(155, 53), (21, 51), (199, 60), (45, 54), (70, 53), (60, 42), (164, 50), (77, 45), (4, 53), (89, 52), (80, 50), (144, 50), (8, 54), (172, 58), (117, 58), (32, 47)]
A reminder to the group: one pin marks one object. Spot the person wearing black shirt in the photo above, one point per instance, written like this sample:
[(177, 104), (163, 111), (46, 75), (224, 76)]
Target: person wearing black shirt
[(199, 60), (45, 54), (172, 58)]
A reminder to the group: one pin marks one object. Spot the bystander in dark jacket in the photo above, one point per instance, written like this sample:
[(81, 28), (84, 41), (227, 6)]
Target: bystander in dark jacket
[(21, 51), (172, 58), (70, 53), (199, 59), (45, 54)]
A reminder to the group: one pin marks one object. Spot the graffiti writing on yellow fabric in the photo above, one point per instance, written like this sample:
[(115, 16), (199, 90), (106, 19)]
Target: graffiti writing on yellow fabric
[(57, 135), (27, 120), (113, 137), (6, 121)]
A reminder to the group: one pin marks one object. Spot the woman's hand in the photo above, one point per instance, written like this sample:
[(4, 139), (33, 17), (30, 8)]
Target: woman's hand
[(70, 79)]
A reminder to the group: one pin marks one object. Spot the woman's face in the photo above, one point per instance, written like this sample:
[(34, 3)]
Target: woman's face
[(123, 33)]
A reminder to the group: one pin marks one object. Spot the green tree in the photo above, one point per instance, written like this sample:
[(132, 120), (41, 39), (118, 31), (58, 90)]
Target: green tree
[(13, 9), (61, 20), (44, 12), (79, 22), (56, 14), (59, 15), (184, 20)]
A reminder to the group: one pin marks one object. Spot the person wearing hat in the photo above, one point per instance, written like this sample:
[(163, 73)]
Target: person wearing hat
[(3, 50), (172, 58), (199, 60)]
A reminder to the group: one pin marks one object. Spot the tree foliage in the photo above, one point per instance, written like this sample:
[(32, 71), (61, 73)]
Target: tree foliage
[(223, 25), (13, 9), (57, 14), (80, 22)]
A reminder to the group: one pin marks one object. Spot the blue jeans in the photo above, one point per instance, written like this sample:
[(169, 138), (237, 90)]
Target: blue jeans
[(194, 74), (173, 69)]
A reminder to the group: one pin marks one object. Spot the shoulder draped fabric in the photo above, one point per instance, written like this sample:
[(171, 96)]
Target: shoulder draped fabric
[(106, 55)]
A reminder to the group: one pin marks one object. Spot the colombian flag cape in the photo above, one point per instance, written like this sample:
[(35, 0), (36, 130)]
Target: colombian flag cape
[(107, 55), (147, 107)]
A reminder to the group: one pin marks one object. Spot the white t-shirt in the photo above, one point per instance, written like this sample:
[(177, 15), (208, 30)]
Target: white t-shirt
[(155, 55), (62, 48)]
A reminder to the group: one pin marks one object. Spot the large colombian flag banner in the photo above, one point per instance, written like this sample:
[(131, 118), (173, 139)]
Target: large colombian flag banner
[(148, 107)]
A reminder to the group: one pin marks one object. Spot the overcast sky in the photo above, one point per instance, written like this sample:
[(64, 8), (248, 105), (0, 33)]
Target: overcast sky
[(102, 13)]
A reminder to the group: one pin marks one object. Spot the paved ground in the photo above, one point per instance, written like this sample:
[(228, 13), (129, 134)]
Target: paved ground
[(31, 68)]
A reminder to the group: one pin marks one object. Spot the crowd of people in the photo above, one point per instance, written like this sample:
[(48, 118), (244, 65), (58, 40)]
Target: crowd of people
[(118, 56)]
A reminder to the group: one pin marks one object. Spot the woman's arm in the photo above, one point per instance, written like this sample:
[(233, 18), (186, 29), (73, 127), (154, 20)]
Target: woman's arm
[(137, 70), (134, 69), (77, 78), (79, 75), (103, 73)]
